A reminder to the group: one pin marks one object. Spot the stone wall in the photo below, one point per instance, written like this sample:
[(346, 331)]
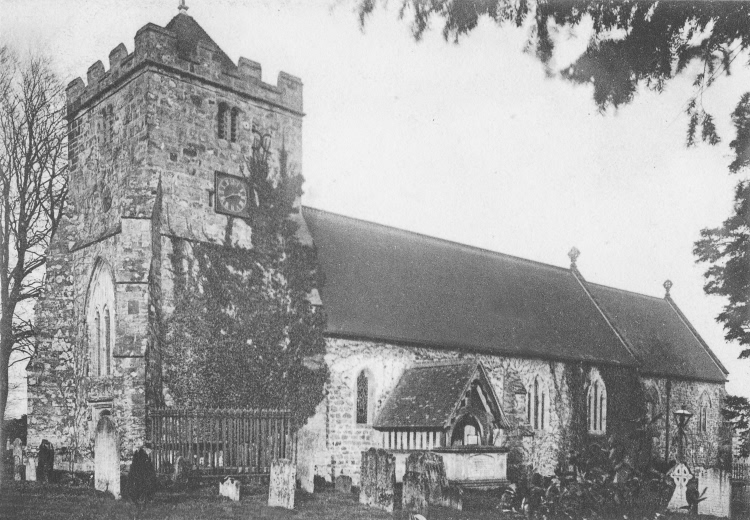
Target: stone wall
[(339, 440), (701, 447), (385, 363)]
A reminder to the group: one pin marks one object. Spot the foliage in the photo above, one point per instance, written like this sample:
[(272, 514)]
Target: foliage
[(243, 333), (736, 412), (33, 187), (598, 482)]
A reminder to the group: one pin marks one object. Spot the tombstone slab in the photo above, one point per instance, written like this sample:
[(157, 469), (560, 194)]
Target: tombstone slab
[(378, 479), (282, 484), (17, 460), (31, 463), (718, 496), (142, 477), (46, 461), (343, 484), (415, 493), (681, 476), (107, 457), (230, 488)]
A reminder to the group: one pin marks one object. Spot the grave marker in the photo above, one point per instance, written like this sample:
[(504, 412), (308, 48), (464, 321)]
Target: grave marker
[(283, 482), (107, 457)]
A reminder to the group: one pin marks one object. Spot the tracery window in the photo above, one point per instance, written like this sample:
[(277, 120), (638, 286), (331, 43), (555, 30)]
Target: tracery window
[(363, 390), (537, 405), (100, 320), (596, 404)]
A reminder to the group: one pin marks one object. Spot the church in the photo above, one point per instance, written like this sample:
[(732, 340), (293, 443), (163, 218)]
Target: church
[(429, 344)]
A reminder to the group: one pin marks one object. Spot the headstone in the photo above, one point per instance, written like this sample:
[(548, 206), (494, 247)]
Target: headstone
[(681, 475), (142, 477), (31, 463), (414, 494), (107, 457), (17, 460), (343, 484), (230, 488), (46, 461), (718, 495), (453, 497), (282, 484), (378, 479), (432, 467)]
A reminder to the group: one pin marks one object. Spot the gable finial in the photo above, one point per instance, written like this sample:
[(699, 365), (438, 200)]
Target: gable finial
[(182, 7), (667, 286), (573, 254)]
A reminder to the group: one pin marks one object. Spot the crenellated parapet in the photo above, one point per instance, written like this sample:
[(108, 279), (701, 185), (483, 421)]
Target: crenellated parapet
[(181, 51)]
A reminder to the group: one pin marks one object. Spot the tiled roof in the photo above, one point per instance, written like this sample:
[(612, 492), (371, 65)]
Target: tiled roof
[(660, 337), (387, 284), (426, 396)]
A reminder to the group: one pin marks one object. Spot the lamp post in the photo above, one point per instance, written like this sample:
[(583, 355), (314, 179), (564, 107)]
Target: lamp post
[(682, 417)]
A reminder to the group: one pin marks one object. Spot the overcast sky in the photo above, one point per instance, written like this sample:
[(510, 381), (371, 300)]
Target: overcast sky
[(469, 142)]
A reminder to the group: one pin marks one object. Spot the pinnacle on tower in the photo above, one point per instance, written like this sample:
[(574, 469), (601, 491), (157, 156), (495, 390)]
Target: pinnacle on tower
[(182, 7)]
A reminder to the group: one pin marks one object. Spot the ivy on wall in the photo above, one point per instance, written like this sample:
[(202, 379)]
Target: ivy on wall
[(243, 332)]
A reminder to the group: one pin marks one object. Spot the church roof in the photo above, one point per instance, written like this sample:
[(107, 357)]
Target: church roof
[(189, 33), (658, 334), (427, 396), (390, 285)]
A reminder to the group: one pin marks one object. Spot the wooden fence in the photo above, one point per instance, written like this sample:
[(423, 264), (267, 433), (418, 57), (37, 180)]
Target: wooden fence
[(221, 441)]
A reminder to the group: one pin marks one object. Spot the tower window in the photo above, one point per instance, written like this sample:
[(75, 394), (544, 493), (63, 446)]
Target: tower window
[(705, 406), (223, 120), (100, 320), (596, 404), (235, 124), (228, 122), (363, 397)]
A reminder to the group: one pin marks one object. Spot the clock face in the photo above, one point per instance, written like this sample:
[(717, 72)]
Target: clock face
[(231, 195)]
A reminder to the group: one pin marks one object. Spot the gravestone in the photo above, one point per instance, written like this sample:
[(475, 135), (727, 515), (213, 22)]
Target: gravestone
[(415, 492), (17, 460), (46, 461), (142, 477), (718, 496), (453, 497), (31, 463), (181, 471), (230, 488), (343, 484), (107, 457), (681, 476), (378, 479), (282, 484)]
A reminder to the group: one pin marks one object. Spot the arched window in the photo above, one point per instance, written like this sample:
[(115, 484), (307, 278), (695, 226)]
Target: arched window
[(363, 398), (537, 405), (596, 401), (223, 121), (235, 125), (703, 411), (100, 320)]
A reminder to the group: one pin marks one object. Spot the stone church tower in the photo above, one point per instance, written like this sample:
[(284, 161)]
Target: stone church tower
[(157, 148)]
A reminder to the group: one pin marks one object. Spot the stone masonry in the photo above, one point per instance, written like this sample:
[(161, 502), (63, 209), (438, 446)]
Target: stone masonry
[(143, 152)]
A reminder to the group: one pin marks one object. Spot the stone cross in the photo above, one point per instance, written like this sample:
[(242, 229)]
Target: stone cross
[(17, 459), (230, 488), (283, 482), (107, 457), (681, 476)]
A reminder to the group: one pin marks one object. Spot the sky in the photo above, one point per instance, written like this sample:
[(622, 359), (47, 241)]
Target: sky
[(473, 143)]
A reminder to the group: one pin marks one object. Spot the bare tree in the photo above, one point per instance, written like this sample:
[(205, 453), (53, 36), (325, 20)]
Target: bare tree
[(33, 187)]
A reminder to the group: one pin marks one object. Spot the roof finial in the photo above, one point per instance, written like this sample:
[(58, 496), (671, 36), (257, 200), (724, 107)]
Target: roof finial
[(667, 286), (182, 7), (573, 254)]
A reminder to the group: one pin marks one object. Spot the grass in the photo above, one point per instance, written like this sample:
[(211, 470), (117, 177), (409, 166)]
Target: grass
[(38, 501), (55, 501)]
